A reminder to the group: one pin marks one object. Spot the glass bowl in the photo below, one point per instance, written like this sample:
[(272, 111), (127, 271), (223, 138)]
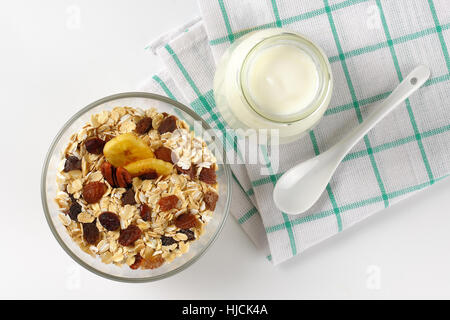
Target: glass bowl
[(198, 247)]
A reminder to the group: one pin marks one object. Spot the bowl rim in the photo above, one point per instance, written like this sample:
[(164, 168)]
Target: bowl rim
[(43, 184)]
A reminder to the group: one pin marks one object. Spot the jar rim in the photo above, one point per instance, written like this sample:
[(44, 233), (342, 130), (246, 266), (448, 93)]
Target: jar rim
[(312, 50)]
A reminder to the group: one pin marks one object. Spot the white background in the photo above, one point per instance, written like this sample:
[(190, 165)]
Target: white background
[(50, 68)]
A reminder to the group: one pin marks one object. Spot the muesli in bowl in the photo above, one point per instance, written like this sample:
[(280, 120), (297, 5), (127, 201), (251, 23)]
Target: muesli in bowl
[(136, 187)]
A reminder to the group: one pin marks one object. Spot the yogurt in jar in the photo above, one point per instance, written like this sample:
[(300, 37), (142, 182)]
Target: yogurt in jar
[(273, 79)]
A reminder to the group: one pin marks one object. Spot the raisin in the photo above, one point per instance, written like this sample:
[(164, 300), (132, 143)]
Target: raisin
[(144, 125), (153, 262), (91, 233), (128, 197), (169, 124), (93, 191), (123, 178), (149, 176), (137, 262), (208, 175), (167, 241), (145, 212), (190, 234), (109, 220), (190, 172), (108, 172), (129, 235), (164, 153), (74, 211), (94, 145), (186, 221), (168, 203), (210, 199), (72, 163)]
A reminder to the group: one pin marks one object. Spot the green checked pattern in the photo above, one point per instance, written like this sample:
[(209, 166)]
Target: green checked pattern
[(391, 163), (408, 104)]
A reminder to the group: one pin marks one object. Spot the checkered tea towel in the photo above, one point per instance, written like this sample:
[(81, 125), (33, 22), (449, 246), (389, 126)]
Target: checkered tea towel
[(371, 45)]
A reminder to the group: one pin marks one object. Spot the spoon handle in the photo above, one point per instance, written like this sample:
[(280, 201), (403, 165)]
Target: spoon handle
[(409, 85)]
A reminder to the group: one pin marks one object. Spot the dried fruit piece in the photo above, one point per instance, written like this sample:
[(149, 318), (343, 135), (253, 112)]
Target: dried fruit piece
[(126, 148), (145, 212), (208, 175), (119, 177), (164, 153), (149, 176), (144, 125), (72, 163), (141, 167), (108, 172), (167, 241), (190, 172), (153, 262), (168, 203), (90, 233), (109, 220), (169, 124), (128, 197), (74, 210), (93, 191), (186, 221), (94, 145), (137, 262), (210, 199), (123, 178), (189, 233), (129, 235)]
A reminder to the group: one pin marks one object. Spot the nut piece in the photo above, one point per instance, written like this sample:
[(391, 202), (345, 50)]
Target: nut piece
[(108, 172), (94, 191), (123, 178)]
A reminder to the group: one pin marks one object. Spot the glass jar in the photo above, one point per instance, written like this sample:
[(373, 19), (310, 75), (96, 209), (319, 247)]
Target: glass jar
[(232, 88)]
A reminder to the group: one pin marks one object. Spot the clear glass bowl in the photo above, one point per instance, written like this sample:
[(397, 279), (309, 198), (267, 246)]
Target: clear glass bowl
[(49, 188)]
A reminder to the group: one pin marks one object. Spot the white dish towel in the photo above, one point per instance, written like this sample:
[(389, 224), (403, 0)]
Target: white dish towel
[(371, 45)]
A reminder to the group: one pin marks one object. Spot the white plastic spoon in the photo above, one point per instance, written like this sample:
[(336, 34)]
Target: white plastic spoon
[(301, 186)]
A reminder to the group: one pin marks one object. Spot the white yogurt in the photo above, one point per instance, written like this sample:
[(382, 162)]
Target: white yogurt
[(273, 79), (282, 80)]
